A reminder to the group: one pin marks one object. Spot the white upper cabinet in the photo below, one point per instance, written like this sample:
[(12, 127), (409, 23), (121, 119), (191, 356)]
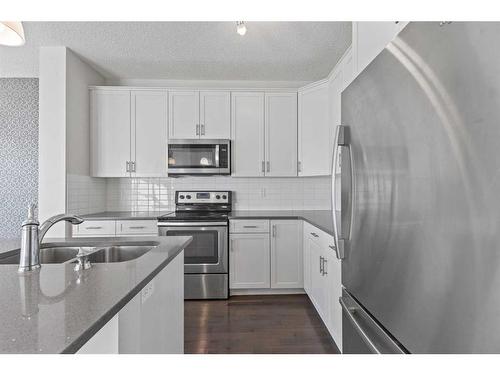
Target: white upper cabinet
[(286, 254), (247, 109), (110, 133), (199, 114), (149, 130), (215, 114), (128, 133), (264, 134), (370, 38), (184, 120), (315, 131), (281, 134)]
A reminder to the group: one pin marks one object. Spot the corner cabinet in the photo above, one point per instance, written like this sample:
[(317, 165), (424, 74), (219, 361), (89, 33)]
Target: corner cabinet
[(199, 114), (122, 122), (315, 131), (264, 134)]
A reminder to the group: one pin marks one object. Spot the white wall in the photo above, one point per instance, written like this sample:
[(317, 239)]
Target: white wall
[(52, 135), (63, 130), (79, 76)]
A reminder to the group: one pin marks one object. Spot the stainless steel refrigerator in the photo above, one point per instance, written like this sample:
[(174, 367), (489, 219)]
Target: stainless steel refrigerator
[(417, 194)]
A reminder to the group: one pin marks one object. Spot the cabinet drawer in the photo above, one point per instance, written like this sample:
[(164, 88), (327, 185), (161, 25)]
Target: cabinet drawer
[(136, 227), (97, 228), (249, 226), (317, 235)]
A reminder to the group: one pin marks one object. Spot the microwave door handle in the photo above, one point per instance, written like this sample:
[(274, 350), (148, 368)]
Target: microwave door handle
[(217, 161)]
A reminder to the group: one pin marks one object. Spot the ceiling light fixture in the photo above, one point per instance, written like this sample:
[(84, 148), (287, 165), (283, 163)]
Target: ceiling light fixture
[(11, 33), (241, 28)]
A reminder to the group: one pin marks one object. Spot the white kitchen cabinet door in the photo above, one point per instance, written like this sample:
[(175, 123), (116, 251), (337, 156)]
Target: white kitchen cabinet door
[(249, 261), (247, 123), (315, 131), (286, 254), (335, 87), (215, 114), (281, 134), (370, 38), (183, 118), (333, 272), (149, 133), (319, 291), (110, 133)]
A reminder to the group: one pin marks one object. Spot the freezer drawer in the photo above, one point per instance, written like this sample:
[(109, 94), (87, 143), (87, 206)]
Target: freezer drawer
[(361, 334)]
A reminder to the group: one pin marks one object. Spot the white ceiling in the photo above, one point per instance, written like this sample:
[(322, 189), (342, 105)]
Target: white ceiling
[(278, 51)]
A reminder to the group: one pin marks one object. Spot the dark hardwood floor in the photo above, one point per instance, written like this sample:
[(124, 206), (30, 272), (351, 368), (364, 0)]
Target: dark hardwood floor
[(255, 324)]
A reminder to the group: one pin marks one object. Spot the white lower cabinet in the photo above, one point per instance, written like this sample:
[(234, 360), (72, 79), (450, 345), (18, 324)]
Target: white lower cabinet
[(151, 323), (266, 254), (249, 261), (286, 254), (114, 228), (322, 279)]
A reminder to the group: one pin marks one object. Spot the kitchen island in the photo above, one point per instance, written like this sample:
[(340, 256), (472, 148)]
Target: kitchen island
[(58, 310)]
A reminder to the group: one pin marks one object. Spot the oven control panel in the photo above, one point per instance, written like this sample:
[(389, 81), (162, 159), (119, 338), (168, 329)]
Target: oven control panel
[(223, 197)]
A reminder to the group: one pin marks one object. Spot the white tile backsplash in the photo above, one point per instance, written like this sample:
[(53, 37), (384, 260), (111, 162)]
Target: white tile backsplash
[(158, 194), (85, 194)]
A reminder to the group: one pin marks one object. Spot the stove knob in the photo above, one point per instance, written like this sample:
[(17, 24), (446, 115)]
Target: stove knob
[(181, 196), (217, 197), (188, 196), (224, 197)]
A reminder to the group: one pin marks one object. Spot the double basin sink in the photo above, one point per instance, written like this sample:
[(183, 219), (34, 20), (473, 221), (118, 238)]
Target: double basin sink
[(96, 254)]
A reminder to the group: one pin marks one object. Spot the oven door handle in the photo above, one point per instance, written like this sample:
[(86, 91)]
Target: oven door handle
[(193, 224)]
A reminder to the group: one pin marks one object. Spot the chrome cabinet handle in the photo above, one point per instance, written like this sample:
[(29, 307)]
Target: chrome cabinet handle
[(263, 167), (93, 227), (325, 265), (314, 234), (250, 226), (202, 129), (197, 129), (321, 265), (127, 166), (274, 230), (136, 227), (299, 166), (132, 166), (269, 166)]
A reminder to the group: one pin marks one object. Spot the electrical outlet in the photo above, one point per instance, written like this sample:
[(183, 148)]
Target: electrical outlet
[(147, 291)]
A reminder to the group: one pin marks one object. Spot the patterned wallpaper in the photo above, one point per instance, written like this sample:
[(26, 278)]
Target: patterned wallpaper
[(18, 151)]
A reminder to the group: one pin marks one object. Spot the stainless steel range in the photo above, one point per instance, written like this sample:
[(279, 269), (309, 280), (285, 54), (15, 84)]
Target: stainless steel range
[(204, 216)]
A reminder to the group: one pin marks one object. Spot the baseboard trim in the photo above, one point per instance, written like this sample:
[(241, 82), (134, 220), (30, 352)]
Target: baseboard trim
[(256, 292)]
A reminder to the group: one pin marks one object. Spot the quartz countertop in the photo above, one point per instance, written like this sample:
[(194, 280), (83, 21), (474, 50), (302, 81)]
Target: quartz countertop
[(57, 310), (321, 219), (125, 215)]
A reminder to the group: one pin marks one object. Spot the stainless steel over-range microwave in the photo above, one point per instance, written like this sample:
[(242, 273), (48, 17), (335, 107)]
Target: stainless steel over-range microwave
[(199, 157)]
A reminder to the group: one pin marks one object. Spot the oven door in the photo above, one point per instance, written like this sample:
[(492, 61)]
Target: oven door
[(188, 157), (208, 252)]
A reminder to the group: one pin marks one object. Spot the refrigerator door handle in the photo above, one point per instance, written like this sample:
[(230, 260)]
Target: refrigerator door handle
[(379, 342), (341, 166)]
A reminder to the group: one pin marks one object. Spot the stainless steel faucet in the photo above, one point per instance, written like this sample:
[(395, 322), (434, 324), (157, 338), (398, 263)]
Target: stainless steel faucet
[(32, 236)]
